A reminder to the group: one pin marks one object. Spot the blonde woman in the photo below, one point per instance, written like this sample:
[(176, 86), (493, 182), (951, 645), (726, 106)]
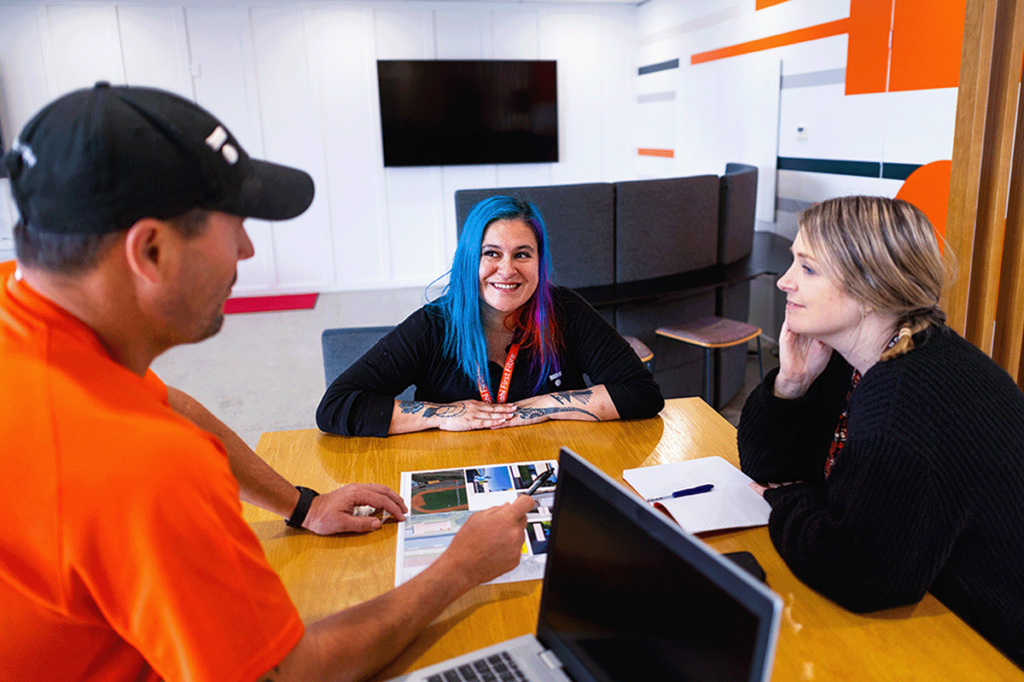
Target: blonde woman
[(890, 449)]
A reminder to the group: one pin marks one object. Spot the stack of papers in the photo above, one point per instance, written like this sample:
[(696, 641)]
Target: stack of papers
[(729, 504)]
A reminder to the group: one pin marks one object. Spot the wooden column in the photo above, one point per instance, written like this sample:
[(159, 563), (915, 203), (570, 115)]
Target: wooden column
[(986, 302)]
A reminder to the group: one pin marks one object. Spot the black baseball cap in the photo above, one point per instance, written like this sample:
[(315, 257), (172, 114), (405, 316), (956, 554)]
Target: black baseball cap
[(97, 160)]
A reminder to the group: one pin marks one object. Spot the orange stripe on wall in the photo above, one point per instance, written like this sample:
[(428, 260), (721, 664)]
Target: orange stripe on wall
[(761, 4), (667, 153), (832, 28)]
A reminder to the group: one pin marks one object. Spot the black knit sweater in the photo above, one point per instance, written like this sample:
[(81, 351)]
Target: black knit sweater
[(927, 495)]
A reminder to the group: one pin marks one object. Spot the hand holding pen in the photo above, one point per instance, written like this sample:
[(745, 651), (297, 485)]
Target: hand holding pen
[(539, 481)]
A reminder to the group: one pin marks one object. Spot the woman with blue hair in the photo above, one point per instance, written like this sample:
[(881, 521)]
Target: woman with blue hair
[(501, 347)]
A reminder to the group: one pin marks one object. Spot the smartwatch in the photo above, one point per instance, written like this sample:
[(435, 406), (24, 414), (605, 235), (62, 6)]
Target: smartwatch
[(306, 496)]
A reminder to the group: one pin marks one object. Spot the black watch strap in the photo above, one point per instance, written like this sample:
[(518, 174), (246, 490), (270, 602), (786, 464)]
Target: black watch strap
[(306, 496)]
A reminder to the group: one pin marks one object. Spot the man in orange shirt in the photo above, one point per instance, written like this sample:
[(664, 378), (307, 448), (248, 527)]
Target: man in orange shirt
[(123, 553)]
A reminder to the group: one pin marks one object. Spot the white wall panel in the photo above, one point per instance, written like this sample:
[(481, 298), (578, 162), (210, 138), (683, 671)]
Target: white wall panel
[(292, 135), (23, 91), (816, 55), (919, 125), (837, 126), (221, 50), (24, 84), (407, 34), (296, 83), (86, 46), (524, 175), (516, 34), (573, 39), (656, 123), (463, 34), (344, 61), (154, 46), (416, 239), (734, 119), (617, 65), (416, 216)]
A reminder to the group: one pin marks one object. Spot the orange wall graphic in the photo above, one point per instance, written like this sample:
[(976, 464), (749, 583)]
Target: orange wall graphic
[(928, 189), (924, 53), (927, 38), (802, 35), (665, 153)]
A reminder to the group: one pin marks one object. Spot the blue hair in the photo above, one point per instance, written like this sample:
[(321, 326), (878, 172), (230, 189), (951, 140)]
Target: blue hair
[(460, 303)]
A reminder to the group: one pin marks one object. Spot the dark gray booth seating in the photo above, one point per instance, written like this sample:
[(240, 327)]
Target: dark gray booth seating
[(343, 346), (604, 235)]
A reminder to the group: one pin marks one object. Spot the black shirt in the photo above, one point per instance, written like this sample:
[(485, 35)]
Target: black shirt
[(360, 401)]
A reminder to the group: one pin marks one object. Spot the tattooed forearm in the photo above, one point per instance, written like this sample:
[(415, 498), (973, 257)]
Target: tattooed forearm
[(431, 409), (535, 412), (566, 397)]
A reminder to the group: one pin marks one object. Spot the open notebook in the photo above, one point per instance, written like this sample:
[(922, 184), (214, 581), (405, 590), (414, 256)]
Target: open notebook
[(729, 504), (629, 596)]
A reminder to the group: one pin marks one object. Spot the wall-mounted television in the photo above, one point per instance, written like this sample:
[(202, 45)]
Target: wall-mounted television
[(446, 113)]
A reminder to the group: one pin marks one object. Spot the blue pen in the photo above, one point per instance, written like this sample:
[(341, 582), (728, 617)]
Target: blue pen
[(696, 490)]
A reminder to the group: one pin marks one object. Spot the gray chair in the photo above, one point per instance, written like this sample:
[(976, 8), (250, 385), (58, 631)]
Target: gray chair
[(341, 347)]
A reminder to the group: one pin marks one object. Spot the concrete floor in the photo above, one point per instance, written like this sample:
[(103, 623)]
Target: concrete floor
[(264, 371)]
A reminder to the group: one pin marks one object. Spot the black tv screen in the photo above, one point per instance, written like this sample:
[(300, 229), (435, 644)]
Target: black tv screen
[(447, 113)]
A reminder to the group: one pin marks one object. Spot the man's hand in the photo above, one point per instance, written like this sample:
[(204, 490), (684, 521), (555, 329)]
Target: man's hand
[(333, 512), (490, 543)]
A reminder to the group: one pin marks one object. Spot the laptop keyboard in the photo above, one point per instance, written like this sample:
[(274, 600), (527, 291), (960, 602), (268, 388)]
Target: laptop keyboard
[(491, 669)]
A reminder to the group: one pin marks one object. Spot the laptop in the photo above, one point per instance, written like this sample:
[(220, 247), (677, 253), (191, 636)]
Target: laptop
[(628, 596)]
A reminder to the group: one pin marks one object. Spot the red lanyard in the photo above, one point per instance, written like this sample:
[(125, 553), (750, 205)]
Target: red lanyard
[(506, 378)]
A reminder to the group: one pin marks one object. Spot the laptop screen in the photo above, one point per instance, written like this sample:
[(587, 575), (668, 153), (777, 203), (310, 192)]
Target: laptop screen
[(629, 596)]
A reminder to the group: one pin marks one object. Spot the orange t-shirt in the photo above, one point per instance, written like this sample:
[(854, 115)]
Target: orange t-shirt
[(123, 553)]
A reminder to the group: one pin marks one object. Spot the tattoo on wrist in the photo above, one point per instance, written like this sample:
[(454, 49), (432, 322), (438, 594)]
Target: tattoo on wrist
[(566, 397), (535, 412), (432, 409)]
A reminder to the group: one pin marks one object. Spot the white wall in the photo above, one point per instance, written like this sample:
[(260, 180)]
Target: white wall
[(296, 84)]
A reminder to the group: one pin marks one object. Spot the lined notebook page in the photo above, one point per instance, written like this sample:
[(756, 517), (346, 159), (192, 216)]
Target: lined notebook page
[(732, 504)]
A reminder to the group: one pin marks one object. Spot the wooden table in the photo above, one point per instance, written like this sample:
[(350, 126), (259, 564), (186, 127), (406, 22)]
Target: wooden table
[(818, 640)]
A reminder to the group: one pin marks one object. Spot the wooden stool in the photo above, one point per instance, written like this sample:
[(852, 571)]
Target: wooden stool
[(714, 332), (640, 348)]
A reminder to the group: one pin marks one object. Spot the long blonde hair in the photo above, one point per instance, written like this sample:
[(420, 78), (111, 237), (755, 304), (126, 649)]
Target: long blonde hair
[(882, 252)]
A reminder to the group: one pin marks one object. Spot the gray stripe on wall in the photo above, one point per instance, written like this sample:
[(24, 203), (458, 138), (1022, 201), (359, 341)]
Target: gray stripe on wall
[(787, 205), (657, 97), (697, 24), (661, 66), (807, 80)]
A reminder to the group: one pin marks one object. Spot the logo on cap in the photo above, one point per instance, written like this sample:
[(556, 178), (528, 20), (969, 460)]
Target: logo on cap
[(216, 141), (26, 153)]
